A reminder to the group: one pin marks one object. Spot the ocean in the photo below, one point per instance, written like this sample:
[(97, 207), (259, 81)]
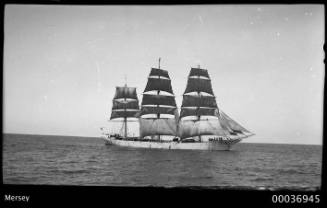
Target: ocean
[(86, 161)]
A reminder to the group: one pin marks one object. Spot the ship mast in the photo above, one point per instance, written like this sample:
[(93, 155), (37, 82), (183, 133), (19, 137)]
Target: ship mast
[(125, 105), (198, 106), (158, 93), (196, 103), (125, 118), (158, 99), (199, 100)]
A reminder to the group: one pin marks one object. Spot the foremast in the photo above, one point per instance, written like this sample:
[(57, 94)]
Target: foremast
[(158, 115), (125, 105), (200, 114)]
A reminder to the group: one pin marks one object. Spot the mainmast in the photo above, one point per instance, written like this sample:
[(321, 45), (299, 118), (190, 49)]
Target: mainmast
[(158, 99), (198, 106), (158, 93)]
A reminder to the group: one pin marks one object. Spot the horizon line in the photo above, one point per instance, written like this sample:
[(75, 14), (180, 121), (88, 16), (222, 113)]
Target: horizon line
[(100, 138)]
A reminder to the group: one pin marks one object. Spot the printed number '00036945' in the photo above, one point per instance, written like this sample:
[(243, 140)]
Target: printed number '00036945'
[(296, 199)]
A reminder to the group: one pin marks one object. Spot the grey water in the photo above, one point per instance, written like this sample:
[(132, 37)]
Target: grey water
[(63, 160)]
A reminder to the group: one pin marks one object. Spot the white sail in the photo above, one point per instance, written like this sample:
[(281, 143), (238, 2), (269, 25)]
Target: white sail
[(163, 126), (190, 128), (232, 126), (117, 127)]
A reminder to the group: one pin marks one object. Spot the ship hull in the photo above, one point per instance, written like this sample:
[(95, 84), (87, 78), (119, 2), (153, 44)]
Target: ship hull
[(172, 145)]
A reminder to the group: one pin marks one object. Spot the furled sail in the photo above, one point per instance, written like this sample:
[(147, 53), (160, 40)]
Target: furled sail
[(156, 103)]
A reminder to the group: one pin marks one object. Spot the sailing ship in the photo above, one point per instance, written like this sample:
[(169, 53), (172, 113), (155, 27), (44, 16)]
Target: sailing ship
[(201, 125)]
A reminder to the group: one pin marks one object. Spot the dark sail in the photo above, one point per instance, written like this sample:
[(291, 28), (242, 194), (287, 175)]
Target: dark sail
[(156, 110), (198, 112), (199, 72), (125, 105), (124, 114), (157, 104), (158, 84), (198, 85), (195, 101), (158, 100), (125, 92), (159, 72), (202, 104)]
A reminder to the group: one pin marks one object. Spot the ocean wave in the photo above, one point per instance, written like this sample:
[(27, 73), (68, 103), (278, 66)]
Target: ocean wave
[(259, 179), (70, 162), (74, 171), (291, 171), (91, 161)]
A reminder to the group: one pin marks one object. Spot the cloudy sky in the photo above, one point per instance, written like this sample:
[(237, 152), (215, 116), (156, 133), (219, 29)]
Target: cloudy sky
[(62, 63)]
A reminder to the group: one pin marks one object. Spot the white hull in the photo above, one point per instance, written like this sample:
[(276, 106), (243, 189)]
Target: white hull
[(210, 145)]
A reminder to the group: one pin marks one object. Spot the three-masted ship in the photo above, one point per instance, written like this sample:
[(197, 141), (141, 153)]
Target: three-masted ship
[(201, 125)]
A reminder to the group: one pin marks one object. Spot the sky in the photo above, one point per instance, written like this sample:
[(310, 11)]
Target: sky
[(62, 64)]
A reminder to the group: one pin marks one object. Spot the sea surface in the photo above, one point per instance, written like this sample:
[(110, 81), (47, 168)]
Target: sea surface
[(61, 160)]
